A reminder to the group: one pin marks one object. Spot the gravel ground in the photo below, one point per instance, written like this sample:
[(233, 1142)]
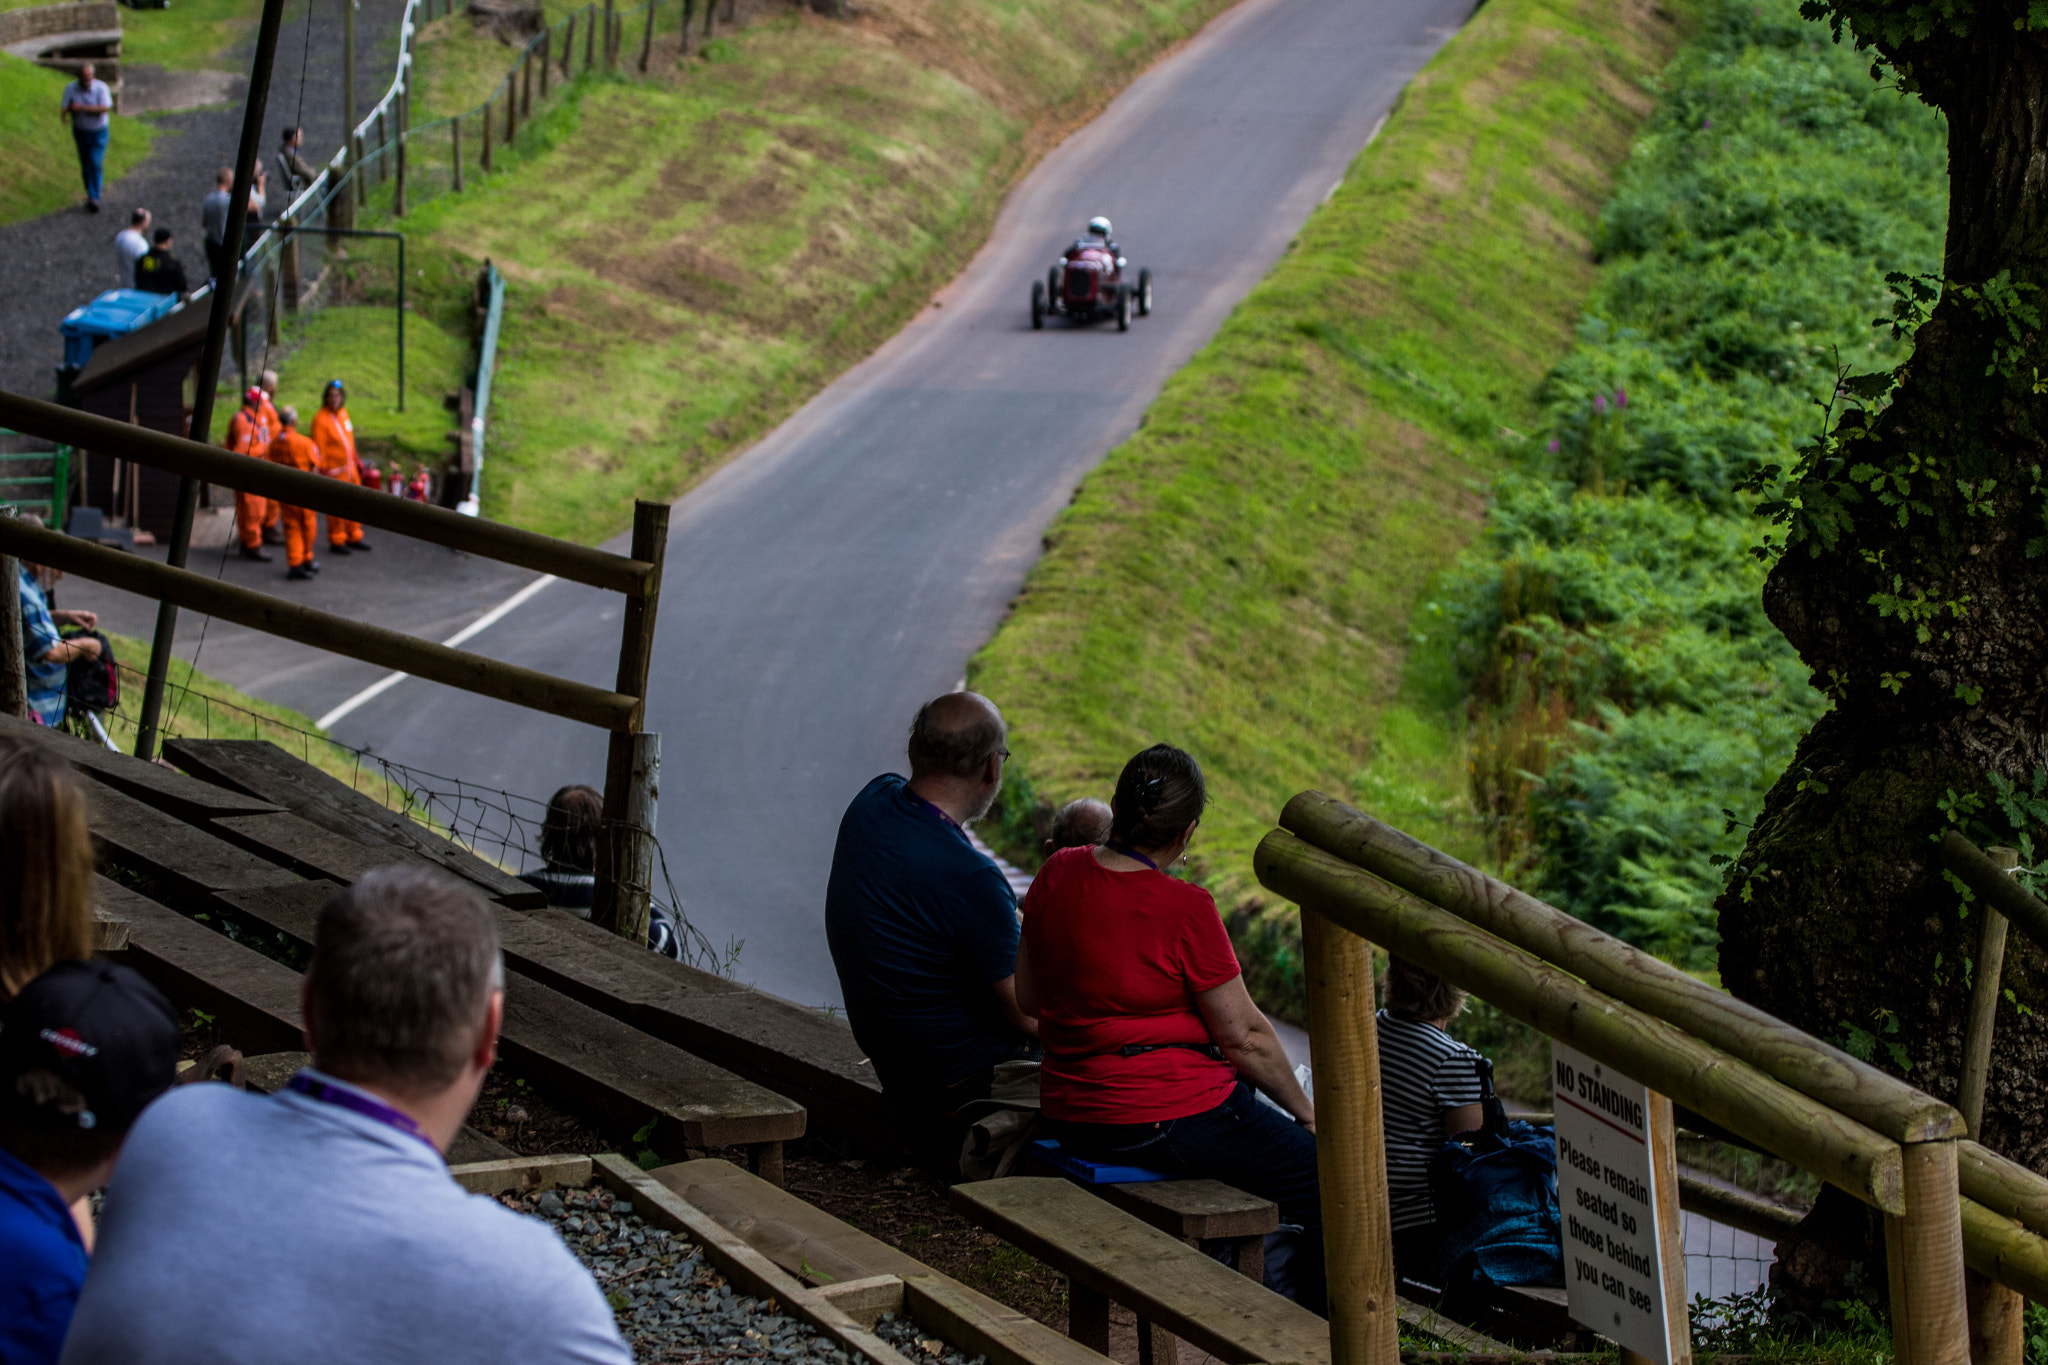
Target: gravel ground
[(60, 261), (673, 1306)]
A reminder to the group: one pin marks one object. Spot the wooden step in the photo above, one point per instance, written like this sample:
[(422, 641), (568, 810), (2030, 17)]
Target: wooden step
[(260, 769), (153, 784)]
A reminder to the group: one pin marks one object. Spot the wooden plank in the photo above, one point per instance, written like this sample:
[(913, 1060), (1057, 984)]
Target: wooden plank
[(181, 864), (609, 1071), (267, 1073), (865, 1300), (303, 847), (1198, 1209), (261, 769), (750, 1271), (522, 1174), (1104, 1249), (254, 1001), (188, 798), (1456, 1335), (109, 932)]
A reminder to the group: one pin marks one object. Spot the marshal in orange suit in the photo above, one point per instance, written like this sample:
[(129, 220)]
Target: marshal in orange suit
[(335, 435), (301, 527), (249, 434)]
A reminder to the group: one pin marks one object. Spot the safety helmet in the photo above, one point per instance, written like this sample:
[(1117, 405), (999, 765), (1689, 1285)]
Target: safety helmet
[(254, 397), (1099, 226), (337, 384)]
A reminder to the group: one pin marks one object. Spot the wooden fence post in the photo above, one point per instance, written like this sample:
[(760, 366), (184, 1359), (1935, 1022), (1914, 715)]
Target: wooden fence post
[(526, 85), (610, 47), (568, 43), (683, 38), (455, 132), (547, 62), (13, 666), (273, 290), (487, 138), (1662, 1125), (383, 141), (612, 903), (404, 119), (647, 38), (1351, 1144), (362, 176), (511, 112), (589, 35), (1924, 1260), (710, 8), (1997, 1314)]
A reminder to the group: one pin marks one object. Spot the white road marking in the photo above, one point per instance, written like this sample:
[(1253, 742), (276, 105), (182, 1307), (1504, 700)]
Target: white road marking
[(460, 637)]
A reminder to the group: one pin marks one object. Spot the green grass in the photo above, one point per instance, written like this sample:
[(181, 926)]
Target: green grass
[(38, 160), (692, 255), (195, 35), (1241, 576)]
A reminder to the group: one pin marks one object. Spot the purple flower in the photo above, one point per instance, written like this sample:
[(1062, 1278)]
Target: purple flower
[(1620, 397), (1706, 123), (1553, 445), (1600, 402)]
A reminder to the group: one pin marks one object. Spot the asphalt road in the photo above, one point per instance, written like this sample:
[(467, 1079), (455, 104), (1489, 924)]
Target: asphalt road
[(825, 583)]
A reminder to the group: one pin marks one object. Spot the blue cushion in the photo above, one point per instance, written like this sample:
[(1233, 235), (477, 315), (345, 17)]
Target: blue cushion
[(1091, 1172)]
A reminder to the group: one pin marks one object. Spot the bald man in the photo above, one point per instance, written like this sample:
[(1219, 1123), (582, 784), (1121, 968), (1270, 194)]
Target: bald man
[(923, 927), (1080, 824)]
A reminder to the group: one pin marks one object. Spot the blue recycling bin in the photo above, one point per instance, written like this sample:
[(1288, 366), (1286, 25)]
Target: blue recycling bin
[(114, 313)]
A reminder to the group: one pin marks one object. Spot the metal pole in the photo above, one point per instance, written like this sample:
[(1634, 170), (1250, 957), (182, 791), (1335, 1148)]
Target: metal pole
[(209, 364)]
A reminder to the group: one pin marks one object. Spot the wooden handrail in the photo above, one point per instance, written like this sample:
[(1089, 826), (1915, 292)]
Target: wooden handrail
[(323, 630), (436, 525), (2003, 1185), (1727, 1090), (1821, 1072), (2002, 1249), (1976, 870)]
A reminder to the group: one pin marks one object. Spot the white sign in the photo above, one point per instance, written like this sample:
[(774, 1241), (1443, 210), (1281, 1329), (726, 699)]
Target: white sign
[(1607, 1195)]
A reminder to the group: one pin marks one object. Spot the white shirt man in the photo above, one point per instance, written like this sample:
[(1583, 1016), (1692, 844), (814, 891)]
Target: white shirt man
[(131, 244)]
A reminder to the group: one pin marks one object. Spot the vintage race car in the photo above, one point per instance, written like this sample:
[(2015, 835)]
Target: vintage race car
[(1087, 285)]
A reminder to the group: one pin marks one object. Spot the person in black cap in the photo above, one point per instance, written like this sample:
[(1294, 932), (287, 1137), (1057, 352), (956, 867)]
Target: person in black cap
[(83, 1049)]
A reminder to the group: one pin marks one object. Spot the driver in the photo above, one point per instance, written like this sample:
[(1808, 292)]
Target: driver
[(1100, 234)]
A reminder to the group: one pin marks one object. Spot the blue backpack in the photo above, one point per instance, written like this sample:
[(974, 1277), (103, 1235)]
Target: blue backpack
[(1495, 1189)]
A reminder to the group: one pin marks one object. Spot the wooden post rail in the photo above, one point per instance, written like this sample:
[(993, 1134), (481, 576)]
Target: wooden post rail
[(1996, 886), (2003, 1186), (322, 630), (2005, 1251), (436, 525), (1726, 1090), (1813, 1068)]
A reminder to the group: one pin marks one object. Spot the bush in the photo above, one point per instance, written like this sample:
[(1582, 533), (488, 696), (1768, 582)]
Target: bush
[(1631, 701)]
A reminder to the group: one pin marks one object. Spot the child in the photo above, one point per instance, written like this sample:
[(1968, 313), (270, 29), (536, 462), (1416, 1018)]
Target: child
[(83, 1049)]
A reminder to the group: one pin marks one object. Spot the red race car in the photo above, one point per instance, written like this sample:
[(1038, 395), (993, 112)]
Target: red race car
[(1088, 284)]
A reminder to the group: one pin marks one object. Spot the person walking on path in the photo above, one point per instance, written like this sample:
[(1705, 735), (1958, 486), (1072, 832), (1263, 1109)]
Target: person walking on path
[(131, 244), (213, 216), (301, 527), (249, 434), (292, 167), (87, 102), (158, 271), (335, 435)]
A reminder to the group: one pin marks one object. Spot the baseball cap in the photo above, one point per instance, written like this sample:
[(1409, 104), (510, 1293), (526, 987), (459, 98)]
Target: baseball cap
[(107, 1032)]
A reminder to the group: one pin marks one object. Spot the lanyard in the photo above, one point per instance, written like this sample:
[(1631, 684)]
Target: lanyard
[(312, 1087), (1133, 855), (932, 808)]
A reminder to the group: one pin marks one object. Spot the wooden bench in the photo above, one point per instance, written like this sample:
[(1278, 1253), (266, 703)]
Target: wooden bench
[(1111, 1256), (1194, 1211), (862, 1275)]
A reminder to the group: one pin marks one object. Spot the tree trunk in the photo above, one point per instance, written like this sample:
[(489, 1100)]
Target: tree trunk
[(1907, 585)]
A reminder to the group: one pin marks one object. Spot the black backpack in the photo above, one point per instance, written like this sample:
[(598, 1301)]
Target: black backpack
[(93, 684)]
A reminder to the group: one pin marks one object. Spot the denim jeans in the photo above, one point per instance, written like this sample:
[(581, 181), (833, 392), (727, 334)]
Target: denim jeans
[(92, 155), (1243, 1143)]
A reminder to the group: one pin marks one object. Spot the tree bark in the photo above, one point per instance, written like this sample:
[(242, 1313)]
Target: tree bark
[(1923, 620)]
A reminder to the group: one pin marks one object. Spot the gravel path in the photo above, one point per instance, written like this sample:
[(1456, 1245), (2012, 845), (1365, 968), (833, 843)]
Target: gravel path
[(58, 262), (672, 1306)]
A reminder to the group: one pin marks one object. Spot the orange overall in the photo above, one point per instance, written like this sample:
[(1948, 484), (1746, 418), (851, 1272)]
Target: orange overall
[(247, 435), (335, 435), (300, 525), (273, 424)]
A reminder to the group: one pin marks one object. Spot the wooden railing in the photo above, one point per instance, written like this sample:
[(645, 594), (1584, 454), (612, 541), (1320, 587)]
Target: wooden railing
[(625, 868), (1946, 1201)]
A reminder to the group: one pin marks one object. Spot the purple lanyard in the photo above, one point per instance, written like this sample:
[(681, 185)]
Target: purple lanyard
[(314, 1088), (1133, 855), (955, 824)]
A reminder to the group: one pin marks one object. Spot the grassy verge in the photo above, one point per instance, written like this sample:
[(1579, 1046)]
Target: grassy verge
[(38, 160), (1240, 577), (694, 254), (194, 35)]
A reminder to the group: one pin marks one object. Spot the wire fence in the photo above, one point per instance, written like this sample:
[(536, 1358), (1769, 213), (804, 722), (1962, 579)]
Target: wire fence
[(1724, 1266), (499, 826)]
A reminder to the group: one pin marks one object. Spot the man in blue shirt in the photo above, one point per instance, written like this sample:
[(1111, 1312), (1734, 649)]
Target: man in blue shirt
[(87, 102), (923, 927), (46, 655), (83, 1049)]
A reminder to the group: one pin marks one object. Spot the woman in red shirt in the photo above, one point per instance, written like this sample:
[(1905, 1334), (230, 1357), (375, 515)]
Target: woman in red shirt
[(1149, 1034)]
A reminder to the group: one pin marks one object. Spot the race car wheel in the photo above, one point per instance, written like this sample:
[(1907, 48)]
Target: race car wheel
[(1037, 306), (1123, 308), (1052, 289), (1144, 293)]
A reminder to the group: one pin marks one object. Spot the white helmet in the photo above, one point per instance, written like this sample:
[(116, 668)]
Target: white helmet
[(1099, 226)]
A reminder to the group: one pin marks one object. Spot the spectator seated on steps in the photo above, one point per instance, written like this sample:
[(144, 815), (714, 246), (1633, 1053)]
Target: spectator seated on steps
[(46, 655), (1080, 824), (922, 926), (1152, 1044), (83, 1048), (326, 1211), (569, 835), (1429, 1091)]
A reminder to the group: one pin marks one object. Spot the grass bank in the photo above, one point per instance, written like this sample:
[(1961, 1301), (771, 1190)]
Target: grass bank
[(1240, 577), (692, 255), (38, 160)]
